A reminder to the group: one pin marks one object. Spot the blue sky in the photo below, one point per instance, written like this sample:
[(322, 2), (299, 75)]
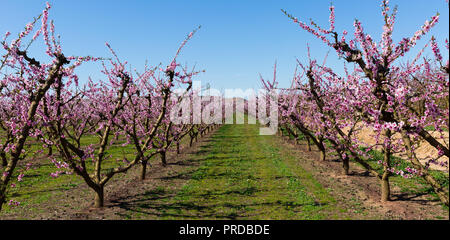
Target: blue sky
[(237, 41)]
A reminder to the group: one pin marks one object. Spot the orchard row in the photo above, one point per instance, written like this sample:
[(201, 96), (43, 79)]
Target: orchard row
[(403, 103), (44, 103)]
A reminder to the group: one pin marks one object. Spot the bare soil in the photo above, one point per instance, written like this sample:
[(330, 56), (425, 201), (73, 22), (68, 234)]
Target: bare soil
[(357, 192), (365, 188), (120, 192)]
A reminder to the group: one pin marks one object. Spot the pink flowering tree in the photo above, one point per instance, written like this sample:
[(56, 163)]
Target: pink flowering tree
[(382, 86), (315, 106), (151, 123), (24, 83), (295, 112), (195, 116), (128, 108)]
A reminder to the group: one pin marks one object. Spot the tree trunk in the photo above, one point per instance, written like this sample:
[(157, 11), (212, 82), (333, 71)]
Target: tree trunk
[(296, 135), (385, 187), (309, 143), (143, 170), (346, 165), (99, 197), (2, 195), (178, 147), (190, 142), (4, 161), (323, 155), (50, 151), (78, 140), (163, 158)]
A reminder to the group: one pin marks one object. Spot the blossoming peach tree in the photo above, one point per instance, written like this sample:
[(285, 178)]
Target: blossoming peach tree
[(43, 102), (24, 84), (132, 106), (379, 93)]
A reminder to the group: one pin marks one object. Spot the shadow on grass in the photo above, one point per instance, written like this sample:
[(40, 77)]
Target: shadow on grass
[(217, 203), (50, 190), (184, 176), (157, 204), (412, 197)]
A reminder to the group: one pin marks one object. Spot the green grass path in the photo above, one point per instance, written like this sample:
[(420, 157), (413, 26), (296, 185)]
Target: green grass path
[(247, 176)]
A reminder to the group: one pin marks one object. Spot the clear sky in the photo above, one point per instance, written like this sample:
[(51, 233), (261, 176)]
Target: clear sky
[(238, 40)]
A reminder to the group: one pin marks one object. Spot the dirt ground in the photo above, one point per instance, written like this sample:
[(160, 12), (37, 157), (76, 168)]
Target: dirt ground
[(354, 192), (366, 189), (77, 204)]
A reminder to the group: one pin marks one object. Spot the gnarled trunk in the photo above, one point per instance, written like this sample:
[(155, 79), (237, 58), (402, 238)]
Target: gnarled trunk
[(178, 147), (99, 200), (163, 158), (2, 195), (385, 188), (143, 170), (3, 157), (309, 143), (323, 155), (50, 151), (346, 165)]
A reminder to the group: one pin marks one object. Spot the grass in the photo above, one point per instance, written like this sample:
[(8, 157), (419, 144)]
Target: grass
[(247, 176), (38, 187), (432, 128), (241, 175)]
